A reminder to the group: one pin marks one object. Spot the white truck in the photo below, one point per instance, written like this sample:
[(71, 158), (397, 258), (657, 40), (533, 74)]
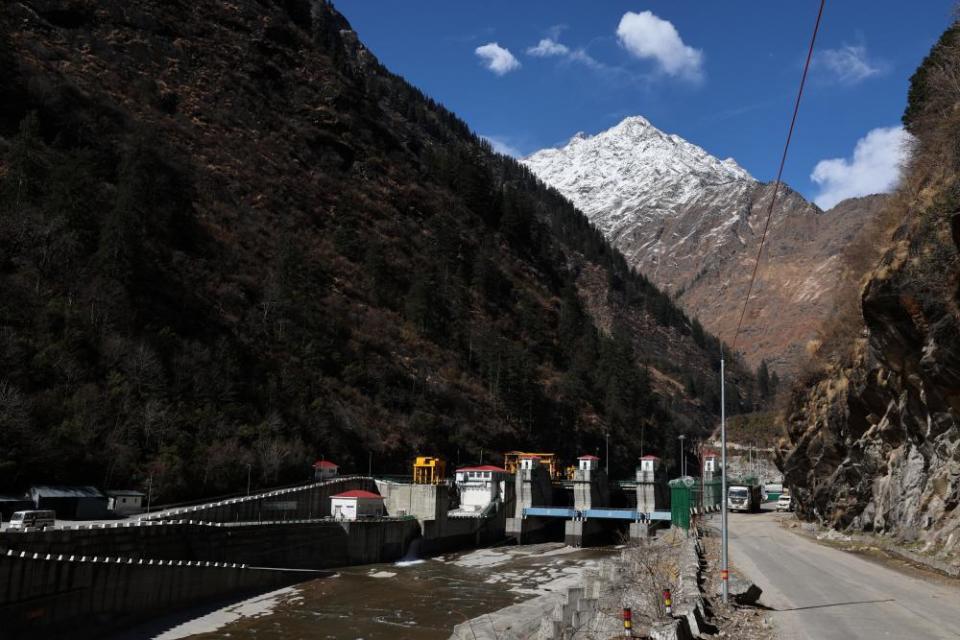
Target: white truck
[(743, 497)]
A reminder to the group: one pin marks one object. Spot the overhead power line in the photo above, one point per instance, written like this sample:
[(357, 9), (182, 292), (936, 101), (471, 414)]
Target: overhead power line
[(776, 185), (724, 523)]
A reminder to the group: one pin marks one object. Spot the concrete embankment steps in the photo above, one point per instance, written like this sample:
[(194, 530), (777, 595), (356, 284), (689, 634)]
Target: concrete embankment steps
[(591, 608)]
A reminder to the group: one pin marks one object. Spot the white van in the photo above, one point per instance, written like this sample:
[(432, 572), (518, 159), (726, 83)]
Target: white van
[(42, 519)]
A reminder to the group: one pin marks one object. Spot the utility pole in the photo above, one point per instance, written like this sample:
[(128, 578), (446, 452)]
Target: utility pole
[(370, 465), (248, 478), (724, 565)]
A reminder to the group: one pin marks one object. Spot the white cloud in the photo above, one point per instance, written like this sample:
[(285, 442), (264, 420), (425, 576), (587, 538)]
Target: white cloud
[(849, 64), (580, 55), (497, 59), (651, 38), (554, 32), (551, 48), (548, 47), (874, 168), (502, 145)]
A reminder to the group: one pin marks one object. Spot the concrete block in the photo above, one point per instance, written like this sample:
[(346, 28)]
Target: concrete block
[(742, 591)]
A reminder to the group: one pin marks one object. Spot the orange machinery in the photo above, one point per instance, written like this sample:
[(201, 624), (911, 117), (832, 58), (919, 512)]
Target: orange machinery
[(511, 462)]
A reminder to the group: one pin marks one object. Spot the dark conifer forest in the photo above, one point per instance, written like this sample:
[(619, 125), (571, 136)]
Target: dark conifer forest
[(231, 240)]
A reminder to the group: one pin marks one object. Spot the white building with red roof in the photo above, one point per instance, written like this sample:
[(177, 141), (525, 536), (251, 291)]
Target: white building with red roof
[(324, 470), (647, 471), (355, 504), (479, 487), (651, 488), (588, 463), (711, 461)]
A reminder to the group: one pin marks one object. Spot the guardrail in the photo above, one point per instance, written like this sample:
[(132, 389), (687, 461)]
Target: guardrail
[(597, 514), (550, 512)]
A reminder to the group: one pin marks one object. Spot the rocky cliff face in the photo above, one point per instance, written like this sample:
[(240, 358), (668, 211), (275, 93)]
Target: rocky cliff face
[(874, 440), (692, 224)]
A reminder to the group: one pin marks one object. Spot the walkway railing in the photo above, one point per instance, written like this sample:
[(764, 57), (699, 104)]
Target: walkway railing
[(597, 514)]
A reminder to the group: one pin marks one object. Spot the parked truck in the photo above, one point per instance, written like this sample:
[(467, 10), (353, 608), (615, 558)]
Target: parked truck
[(744, 496)]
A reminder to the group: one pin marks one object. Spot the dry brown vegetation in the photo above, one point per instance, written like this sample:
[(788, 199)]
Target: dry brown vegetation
[(932, 116)]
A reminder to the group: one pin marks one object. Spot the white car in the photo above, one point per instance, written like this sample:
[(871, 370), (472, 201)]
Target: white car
[(785, 503)]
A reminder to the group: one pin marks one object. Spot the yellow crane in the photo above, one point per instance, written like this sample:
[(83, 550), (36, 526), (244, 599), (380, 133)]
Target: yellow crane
[(429, 470)]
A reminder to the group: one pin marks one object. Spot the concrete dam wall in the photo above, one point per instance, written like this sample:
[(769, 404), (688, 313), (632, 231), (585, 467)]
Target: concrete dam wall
[(85, 581), (291, 545), (52, 597)]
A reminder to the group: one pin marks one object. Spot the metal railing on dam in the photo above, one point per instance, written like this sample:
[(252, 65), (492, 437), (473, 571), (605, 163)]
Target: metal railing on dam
[(599, 514), (303, 502)]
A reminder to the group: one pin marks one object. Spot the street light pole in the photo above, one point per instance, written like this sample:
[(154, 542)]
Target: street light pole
[(607, 458), (149, 492), (683, 466), (724, 565)]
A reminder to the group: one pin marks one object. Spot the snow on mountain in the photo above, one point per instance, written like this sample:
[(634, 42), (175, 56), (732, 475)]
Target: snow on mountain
[(636, 183), (691, 222), (633, 166)]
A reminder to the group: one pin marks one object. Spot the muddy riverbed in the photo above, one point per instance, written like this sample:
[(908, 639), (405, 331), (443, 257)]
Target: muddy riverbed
[(420, 600)]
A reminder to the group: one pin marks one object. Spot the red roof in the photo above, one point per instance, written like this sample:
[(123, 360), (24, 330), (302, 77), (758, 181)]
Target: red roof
[(484, 467), (588, 457), (358, 493), (324, 464), (649, 458)]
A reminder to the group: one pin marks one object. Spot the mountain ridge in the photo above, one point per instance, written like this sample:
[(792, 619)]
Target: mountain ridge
[(691, 222)]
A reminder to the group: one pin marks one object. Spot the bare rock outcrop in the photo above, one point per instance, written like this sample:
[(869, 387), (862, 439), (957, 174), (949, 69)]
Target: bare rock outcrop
[(874, 441)]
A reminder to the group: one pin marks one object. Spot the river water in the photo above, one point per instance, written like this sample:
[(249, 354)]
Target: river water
[(420, 600)]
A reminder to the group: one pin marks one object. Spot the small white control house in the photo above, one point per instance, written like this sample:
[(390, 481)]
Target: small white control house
[(352, 505), (479, 486)]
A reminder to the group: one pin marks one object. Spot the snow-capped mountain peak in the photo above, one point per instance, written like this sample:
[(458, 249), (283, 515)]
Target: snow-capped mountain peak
[(692, 223), (634, 174)]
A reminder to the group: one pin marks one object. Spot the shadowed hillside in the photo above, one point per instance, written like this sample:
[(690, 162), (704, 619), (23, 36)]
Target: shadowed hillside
[(231, 239)]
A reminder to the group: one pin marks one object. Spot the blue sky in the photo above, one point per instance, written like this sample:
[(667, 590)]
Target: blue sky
[(723, 75)]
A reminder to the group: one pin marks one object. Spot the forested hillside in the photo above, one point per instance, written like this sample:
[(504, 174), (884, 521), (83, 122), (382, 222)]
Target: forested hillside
[(230, 239)]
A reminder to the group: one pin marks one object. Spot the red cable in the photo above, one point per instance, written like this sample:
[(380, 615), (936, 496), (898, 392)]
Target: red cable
[(776, 185)]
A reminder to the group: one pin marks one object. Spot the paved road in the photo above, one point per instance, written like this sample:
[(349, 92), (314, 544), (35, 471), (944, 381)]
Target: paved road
[(821, 593)]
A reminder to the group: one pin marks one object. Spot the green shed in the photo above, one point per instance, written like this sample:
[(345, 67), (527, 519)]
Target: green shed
[(684, 494)]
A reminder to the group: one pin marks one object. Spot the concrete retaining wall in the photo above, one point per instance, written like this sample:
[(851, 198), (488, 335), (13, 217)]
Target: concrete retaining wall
[(54, 597), (298, 545)]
